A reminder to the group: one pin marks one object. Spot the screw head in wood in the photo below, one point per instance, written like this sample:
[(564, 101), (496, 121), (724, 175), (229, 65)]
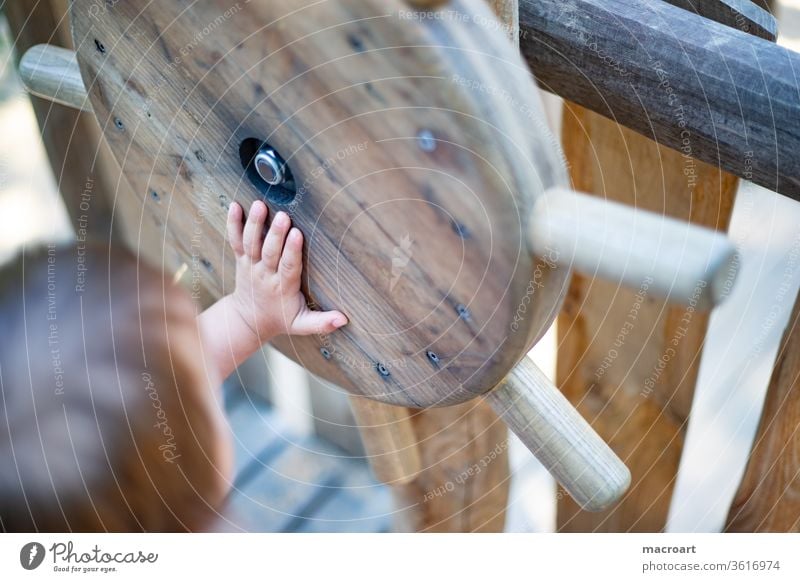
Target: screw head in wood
[(270, 166), (426, 140)]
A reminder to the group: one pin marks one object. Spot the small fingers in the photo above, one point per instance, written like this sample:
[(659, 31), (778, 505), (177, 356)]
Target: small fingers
[(291, 262), (273, 244), (235, 214), (310, 322), (254, 229)]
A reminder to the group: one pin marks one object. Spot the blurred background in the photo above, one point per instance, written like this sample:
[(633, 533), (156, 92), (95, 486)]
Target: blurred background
[(300, 464)]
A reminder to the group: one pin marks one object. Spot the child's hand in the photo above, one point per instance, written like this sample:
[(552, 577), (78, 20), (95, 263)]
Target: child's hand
[(267, 301), (268, 269)]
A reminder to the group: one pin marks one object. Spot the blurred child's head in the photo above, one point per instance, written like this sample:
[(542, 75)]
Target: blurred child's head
[(108, 418)]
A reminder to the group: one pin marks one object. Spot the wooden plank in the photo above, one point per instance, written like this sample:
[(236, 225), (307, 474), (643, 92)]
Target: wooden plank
[(333, 419), (768, 499), (311, 486), (627, 360), (356, 505), (689, 83), (258, 435), (286, 489)]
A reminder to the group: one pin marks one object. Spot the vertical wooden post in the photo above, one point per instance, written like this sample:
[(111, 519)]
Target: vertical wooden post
[(98, 198), (463, 485), (627, 360), (769, 495), (69, 136)]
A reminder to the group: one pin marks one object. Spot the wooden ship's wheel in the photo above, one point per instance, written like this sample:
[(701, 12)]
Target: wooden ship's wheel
[(411, 148)]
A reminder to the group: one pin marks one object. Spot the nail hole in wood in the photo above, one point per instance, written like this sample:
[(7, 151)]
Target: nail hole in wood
[(119, 124), (463, 312), (432, 356), (355, 42), (101, 48), (326, 353), (382, 370)]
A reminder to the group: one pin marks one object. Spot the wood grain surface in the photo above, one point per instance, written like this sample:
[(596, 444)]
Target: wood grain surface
[(768, 499), (560, 438), (463, 485), (414, 173), (389, 440), (700, 87), (52, 72), (80, 172), (742, 15), (627, 360), (467, 489)]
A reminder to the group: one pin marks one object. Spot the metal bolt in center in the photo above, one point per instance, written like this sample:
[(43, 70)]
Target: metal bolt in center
[(270, 166)]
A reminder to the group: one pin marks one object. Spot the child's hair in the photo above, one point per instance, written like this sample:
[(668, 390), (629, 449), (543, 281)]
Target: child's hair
[(107, 422)]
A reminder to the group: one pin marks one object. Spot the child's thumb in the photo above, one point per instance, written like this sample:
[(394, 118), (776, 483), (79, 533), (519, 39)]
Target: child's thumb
[(318, 322)]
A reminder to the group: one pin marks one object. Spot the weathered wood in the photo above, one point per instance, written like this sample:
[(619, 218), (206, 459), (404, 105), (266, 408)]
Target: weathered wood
[(768, 499), (463, 486), (507, 12), (585, 233), (351, 115), (601, 238), (700, 87), (52, 73), (627, 360), (333, 418), (71, 138), (477, 503), (560, 438), (742, 15), (389, 440)]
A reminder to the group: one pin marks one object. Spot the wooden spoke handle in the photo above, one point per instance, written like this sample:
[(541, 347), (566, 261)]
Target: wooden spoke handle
[(559, 437), (670, 258), (389, 440), (52, 73)]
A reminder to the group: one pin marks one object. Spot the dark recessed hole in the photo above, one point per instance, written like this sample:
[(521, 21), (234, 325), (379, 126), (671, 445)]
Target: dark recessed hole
[(382, 370), (326, 353), (119, 124), (282, 194), (463, 312), (99, 46), (154, 195), (355, 42), (207, 265), (432, 356)]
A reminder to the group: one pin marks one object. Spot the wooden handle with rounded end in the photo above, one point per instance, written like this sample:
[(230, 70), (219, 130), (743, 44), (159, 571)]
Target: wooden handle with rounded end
[(52, 72), (559, 437), (389, 440), (675, 259)]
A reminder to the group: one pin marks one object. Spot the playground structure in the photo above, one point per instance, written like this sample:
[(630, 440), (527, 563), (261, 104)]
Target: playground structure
[(371, 130)]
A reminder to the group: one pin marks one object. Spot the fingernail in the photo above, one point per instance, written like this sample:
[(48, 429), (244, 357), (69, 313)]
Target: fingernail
[(339, 322), (282, 218)]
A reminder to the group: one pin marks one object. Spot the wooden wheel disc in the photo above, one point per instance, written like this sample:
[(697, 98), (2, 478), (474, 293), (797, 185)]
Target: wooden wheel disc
[(416, 145)]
